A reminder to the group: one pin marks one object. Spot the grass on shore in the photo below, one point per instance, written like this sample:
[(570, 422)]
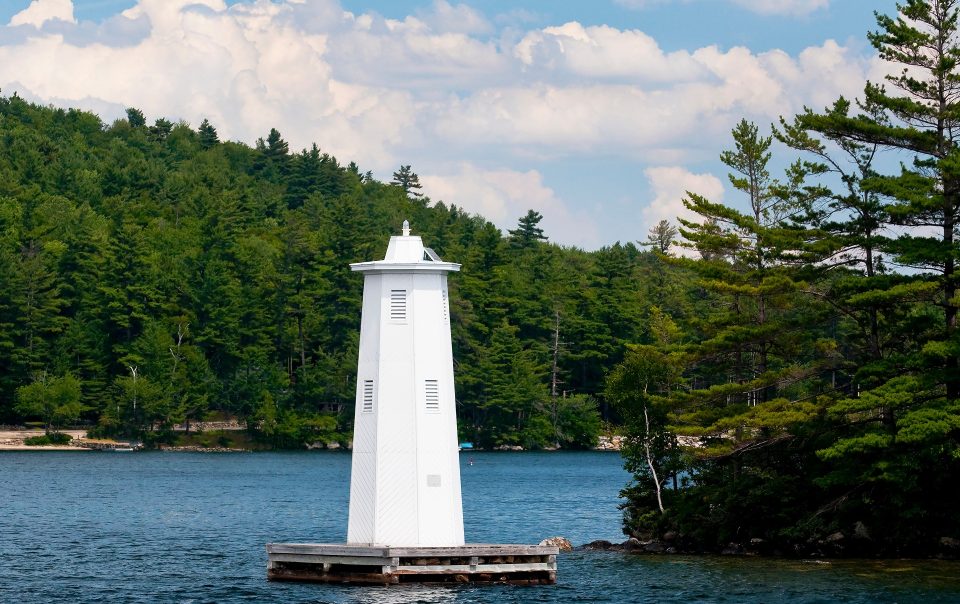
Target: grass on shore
[(220, 439), (47, 440)]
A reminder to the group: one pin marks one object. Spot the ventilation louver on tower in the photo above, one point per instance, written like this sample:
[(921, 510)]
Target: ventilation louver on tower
[(398, 305), (367, 396), (432, 396)]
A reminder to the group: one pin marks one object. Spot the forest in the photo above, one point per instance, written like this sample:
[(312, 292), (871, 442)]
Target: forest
[(813, 405), (784, 368), (153, 275)]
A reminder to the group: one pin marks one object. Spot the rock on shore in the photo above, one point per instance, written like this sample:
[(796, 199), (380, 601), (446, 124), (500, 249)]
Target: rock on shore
[(835, 545), (609, 443), (561, 543)]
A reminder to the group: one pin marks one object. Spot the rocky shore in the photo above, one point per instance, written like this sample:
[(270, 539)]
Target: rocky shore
[(604, 443), (194, 449), (836, 545), (13, 440)]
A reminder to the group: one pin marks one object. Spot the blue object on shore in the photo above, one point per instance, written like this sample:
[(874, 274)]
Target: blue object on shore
[(466, 445)]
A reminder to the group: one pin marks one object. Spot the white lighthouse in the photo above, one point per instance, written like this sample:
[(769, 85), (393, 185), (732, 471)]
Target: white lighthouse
[(405, 480), (406, 517)]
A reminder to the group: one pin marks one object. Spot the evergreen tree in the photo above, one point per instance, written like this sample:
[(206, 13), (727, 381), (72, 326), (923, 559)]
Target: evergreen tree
[(924, 40), (749, 272), (276, 147), (274, 161), (527, 234), (135, 118), (160, 129), (904, 420), (305, 178), (514, 395), (207, 134), (407, 179), (38, 297), (851, 220), (662, 235), (55, 400)]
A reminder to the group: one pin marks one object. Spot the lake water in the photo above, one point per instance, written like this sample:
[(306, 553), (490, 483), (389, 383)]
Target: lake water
[(191, 528)]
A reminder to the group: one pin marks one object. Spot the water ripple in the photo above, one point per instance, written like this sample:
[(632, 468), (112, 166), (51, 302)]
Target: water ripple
[(190, 529)]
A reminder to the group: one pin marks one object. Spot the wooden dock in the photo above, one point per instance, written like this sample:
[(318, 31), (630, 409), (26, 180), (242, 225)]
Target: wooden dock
[(387, 565)]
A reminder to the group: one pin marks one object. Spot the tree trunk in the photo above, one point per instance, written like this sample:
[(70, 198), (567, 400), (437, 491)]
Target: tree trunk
[(653, 470), (950, 293), (303, 353), (553, 379)]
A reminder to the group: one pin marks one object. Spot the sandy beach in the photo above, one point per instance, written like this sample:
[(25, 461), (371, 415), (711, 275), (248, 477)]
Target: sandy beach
[(12, 440)]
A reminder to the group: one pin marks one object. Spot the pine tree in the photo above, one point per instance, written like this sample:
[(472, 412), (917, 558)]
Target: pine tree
[(135, 118), (901, 428), (661, 236), (161, 129), (273, 161), (38, 297), (407, 179), (207, 134), (920, 118), (514, 393), (756, 349), (851, 219), (527, 234)]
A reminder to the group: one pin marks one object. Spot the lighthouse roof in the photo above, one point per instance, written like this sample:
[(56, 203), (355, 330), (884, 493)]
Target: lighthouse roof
[(406, 252)]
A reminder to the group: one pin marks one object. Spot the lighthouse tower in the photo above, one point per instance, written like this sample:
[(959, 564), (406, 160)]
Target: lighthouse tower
[(405, 480), (406, 517)]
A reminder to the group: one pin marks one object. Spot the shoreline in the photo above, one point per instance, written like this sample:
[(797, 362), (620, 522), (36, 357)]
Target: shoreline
[(13, 440), (6, 447), (820, 552)]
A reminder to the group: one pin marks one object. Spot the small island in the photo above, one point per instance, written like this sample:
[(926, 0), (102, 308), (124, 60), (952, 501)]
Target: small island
[(782, 367)]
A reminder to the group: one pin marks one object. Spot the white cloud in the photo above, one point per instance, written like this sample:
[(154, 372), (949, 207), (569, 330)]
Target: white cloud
[(247, 69), (502, 196), (41, 11), (604, 52), (641, 4), (669, 186), (458, 18), (763, 7), (435, 87), (698, 96), (784, 7)]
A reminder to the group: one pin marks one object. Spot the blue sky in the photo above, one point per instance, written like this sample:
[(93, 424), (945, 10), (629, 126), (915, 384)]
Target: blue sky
[(703, 22), (598, 114)]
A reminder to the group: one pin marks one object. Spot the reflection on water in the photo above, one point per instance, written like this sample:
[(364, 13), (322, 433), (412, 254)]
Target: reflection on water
[(181, 527), (400, 595)]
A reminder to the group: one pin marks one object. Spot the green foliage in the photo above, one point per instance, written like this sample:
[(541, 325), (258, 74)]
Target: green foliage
[(527, 233), (407, 179), (207, 134), (46, 440), (662, 236), (135, 118), (817, 392), (290, 429), (55, 400), (578, 422), (222, 439), (219, 273)]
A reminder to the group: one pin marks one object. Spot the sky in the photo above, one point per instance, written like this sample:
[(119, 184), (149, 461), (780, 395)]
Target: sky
[(599, 114)]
